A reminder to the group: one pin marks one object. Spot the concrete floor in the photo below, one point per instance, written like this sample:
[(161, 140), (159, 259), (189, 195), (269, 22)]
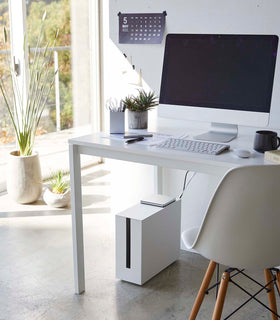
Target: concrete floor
[(36, 271)]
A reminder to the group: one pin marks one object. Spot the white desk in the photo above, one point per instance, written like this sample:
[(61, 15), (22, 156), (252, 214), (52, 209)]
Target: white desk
[(97, 145)]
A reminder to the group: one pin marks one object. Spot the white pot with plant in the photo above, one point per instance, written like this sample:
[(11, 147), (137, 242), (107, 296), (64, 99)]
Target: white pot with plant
[(57, 194), (24, 179), (138, 107)]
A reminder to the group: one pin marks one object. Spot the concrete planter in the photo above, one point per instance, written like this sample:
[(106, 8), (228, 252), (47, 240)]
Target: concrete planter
[(24, 178), (57, 200), (137, 120)]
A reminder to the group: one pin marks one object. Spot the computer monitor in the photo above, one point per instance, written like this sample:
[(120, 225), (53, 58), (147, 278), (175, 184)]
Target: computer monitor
[(224, 79)]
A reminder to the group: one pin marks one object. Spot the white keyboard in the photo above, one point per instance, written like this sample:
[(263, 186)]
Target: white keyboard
[(193, 146)]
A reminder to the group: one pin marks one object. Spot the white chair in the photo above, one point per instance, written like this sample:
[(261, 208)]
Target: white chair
[(241, 230)]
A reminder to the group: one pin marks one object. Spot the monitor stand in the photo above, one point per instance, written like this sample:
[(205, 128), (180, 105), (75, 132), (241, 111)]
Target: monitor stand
[(219, 132)]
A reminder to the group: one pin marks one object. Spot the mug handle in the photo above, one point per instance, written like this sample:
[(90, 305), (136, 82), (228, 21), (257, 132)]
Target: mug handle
[(278, 145)]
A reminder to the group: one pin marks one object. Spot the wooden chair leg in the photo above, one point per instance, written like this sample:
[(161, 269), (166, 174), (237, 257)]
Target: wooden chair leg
[(278, 279), (221, 297), (204, 286), (271, 294)]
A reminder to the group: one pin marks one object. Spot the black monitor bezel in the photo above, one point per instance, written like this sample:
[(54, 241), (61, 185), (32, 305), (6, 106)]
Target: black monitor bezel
[(184, 36)]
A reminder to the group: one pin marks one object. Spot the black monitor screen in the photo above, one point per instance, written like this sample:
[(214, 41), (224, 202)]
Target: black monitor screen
[(219, 71)]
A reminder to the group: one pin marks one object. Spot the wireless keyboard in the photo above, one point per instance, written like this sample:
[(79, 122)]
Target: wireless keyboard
[(193, 146)]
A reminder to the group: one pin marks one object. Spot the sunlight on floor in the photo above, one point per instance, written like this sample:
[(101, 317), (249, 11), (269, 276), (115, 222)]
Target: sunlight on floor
[(96, 197)]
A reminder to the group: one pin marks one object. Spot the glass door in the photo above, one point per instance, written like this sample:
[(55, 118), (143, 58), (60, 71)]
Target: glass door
[(60, 119)]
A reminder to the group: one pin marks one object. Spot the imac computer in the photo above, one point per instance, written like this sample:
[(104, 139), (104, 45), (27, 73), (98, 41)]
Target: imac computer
[(223, 79)]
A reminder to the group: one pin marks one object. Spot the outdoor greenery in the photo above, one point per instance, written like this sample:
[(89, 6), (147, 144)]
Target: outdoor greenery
[(142, 102), (58, 184), (6, 129), (58, 17), (26, 112)]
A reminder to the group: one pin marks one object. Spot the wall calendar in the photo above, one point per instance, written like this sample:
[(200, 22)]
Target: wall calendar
[(141, 28)]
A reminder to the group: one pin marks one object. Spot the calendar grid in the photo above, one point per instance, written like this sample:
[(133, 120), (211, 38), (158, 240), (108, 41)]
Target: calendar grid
[(141, 28)]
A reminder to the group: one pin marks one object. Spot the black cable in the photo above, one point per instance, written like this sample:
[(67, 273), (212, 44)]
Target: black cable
[(217, 278), (184, 185)]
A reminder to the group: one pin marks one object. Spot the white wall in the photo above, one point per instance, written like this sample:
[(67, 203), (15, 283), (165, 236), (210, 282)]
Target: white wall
[(197, 16), (200, 16)]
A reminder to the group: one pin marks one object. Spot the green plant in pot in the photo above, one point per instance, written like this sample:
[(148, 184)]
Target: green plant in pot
[(57, 194), (24, 179), (138, 107)]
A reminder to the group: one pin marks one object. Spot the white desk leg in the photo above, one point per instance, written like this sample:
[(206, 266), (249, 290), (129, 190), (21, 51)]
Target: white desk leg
[(77, 218), (158, 180)]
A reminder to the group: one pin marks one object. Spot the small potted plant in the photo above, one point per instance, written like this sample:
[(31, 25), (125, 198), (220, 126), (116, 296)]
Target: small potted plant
[(57, 194), (138, 107)]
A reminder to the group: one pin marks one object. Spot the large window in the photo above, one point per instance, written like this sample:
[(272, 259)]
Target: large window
[(62, 118), (6, 131), (58, 114)]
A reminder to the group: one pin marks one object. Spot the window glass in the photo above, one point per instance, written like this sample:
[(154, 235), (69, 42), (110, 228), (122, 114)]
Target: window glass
[(59, 122), (7, 135), (60, 99)]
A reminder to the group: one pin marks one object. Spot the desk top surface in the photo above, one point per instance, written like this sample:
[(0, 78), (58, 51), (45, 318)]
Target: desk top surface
[(100, 144)]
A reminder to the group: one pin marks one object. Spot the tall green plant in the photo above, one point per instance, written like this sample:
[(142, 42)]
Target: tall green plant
[(26, 112)]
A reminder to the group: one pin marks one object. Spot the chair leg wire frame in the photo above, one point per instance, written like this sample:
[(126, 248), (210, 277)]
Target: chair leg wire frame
[(217, 279), (269, 286), (277, 282)]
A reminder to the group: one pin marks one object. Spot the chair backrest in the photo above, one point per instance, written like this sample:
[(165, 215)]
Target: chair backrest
[(242, 225)]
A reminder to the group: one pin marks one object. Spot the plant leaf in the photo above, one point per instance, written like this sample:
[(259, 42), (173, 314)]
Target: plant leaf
[(5, 35), (46, 48), (44, 16), (24, 42), (57, 33), (26, 115)]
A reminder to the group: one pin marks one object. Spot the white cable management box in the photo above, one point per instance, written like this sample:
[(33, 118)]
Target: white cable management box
[(147, 240)]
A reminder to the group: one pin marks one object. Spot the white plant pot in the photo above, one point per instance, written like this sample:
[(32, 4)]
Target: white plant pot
[(57, 200), (24, 178), (137, 120)]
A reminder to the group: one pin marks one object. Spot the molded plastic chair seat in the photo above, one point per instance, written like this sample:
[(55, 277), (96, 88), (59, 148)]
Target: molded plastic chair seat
[(189, 236), (240, 229)]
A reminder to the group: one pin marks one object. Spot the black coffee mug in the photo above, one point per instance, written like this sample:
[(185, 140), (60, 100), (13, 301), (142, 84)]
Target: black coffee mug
[(266, 140)]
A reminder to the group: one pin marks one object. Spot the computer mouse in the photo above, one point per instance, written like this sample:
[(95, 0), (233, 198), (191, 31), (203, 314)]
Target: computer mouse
[(242, 153)]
